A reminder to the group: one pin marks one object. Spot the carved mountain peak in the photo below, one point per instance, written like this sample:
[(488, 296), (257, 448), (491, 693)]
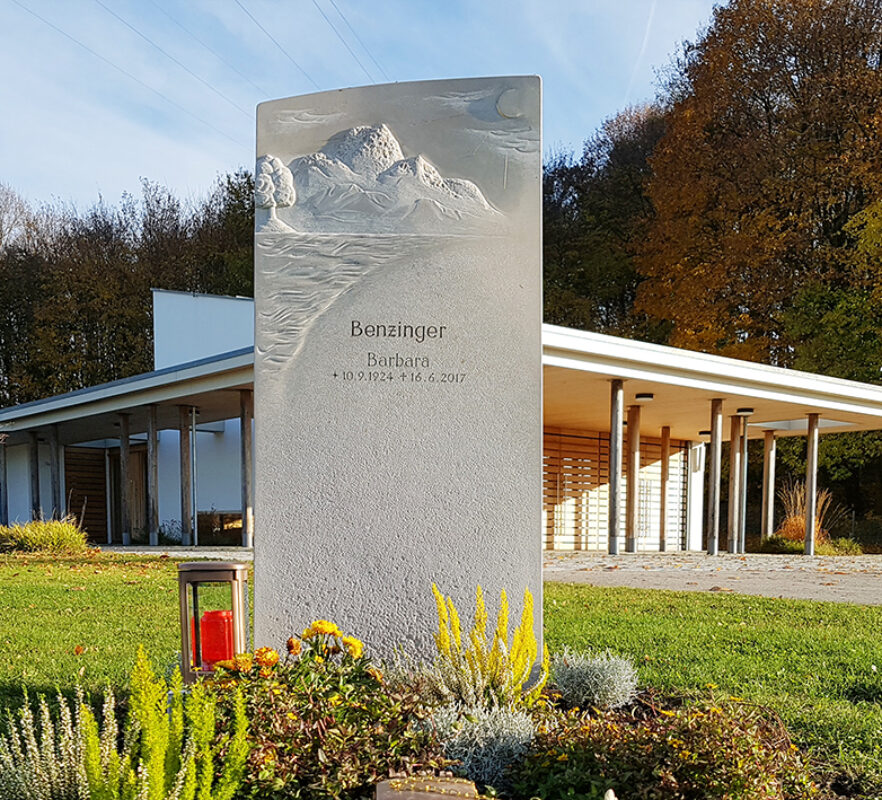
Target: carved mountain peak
[(366, 149)]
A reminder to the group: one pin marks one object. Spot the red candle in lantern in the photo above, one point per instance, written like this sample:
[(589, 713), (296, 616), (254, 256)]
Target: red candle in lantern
[(216, 629)]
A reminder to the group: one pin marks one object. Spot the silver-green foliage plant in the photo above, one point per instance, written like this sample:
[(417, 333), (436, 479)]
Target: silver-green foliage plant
[(485, 740), (41, 756), (168, 749), (600, 680)]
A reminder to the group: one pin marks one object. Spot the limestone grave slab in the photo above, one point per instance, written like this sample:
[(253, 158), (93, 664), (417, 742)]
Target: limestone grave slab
[(398, 356)]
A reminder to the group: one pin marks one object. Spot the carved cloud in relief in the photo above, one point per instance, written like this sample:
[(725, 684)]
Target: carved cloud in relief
[(361, 182)]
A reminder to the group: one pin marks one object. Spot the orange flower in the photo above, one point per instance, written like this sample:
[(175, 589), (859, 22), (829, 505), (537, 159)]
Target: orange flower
[(266, 657), (294, 646), (375, 674), (243, 662)]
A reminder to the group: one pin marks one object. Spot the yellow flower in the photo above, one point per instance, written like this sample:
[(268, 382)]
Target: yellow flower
[(324, 628), (227, 663), (335, 699), (243, 662), (354, 646), (266, 657)]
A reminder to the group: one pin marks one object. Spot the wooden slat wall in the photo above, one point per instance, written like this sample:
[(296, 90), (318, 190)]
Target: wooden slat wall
[(576, 492), (85, 482)]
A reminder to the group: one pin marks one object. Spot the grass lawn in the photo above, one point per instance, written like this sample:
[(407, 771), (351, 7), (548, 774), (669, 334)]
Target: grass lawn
[(810, 662), (69, 619)]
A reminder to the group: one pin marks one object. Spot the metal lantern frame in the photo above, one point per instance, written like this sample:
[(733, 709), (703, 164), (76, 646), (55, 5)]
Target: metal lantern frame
[(190, 575)]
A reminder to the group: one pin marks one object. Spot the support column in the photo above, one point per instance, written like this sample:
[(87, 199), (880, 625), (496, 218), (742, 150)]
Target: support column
[(152, 478), (246, 415), (34, 464), (4, 485), (715, 454), (55, 472), (742, 512), (632, 508), (125, 514), (769, 448), (811, 484), (734, 481), (186, 477), (616, 417), (665, 474)]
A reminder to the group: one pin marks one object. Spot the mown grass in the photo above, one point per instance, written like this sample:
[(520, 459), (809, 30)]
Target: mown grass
[(66, 619), (810, 662), (51, 606)]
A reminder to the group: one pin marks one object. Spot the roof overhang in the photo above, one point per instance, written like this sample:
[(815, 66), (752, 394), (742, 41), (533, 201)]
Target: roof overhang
[(212, 385), (577, 367)]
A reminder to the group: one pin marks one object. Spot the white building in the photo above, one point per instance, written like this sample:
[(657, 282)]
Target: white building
[(172, 437)]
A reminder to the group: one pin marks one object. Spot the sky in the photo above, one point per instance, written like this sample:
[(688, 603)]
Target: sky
[(99, 94)]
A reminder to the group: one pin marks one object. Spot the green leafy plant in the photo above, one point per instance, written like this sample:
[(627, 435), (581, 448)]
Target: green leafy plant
[(584, 679), (324, 723), (48, 536), (169, 749), (727, 750), (478, 668)]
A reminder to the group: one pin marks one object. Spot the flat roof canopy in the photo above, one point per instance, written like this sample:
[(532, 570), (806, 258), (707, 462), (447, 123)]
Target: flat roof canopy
[(577, 366), (212, 385)]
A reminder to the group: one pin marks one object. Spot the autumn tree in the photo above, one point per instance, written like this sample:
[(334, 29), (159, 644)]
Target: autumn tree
[(771, 149), (75, 301), (594, 210)]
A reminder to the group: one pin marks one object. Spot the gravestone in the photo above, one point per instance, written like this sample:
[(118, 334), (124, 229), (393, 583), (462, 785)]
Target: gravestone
[(398, 356)]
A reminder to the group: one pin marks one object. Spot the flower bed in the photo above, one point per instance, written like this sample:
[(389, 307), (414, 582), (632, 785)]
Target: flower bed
[(324, 721)]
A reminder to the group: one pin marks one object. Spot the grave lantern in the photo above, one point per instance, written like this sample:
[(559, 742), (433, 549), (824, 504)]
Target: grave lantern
[(216, 634)]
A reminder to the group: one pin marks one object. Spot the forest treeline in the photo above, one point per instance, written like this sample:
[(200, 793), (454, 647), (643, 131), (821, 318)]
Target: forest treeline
[(739, 213)]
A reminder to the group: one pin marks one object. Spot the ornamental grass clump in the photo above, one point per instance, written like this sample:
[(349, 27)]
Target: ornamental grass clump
[(475, 669), (484, 741), (604, 681), (828, 514), (44, 535), (324, 722)]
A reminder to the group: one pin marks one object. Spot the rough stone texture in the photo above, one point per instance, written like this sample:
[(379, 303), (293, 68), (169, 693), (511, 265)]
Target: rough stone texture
[(384, 464)]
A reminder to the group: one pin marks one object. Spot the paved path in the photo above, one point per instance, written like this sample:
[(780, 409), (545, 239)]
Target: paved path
[(185, 553), (847, 579)]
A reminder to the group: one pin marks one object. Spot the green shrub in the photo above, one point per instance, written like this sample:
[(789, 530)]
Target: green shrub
[(730, 751), (844, 547), (323, 722), (168, 750), (485, 742), (828, 547), (582, 679), (48, 536)]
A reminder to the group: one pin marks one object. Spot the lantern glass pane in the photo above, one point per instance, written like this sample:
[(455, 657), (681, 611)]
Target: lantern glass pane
[(212, 639)]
